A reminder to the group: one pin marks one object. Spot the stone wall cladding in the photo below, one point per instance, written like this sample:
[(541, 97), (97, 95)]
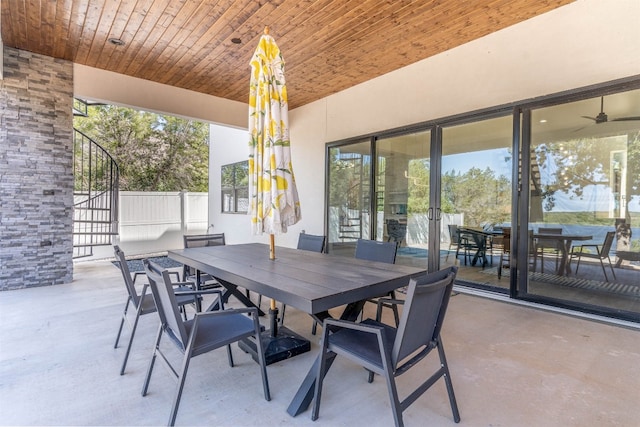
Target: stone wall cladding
[(36, 154)]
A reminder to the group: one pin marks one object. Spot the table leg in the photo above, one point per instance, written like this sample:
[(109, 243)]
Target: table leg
[(565, 267), (231, 289), (480, 255), (304, 395), (198, 300)]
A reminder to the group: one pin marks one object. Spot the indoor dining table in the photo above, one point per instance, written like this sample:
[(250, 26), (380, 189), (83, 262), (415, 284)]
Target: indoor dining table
[(309, 281)]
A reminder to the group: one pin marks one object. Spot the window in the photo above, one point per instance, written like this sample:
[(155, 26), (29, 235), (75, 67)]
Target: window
[(235, 187)]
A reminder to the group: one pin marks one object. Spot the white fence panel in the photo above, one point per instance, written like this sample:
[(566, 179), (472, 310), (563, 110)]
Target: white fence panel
[(151, 222)]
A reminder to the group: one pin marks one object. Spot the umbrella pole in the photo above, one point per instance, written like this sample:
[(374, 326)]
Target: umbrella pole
[(273, 318), (272, 247), (273, 310)]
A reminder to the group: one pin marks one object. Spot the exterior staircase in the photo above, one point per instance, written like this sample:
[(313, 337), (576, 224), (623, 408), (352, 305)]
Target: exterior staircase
[(96, 176)]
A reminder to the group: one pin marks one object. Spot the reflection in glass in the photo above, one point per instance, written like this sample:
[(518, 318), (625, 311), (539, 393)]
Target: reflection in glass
[(476, 197), (585, 179), (402, 194), (349, 196), (235, 187)]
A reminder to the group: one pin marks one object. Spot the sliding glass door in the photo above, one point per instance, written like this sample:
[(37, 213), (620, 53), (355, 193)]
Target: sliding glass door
[(585, 187), (475, 182), (540, 199), (349, 196), (402, 194)]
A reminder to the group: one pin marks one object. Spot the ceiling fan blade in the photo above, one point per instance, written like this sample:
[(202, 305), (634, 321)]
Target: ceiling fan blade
[(580, 128), (626, 119)]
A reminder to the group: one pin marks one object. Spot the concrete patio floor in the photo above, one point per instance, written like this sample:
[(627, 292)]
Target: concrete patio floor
[(511, 365)]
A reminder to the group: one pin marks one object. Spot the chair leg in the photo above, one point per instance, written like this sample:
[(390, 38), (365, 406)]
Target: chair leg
[(230, 355), (394, 307), (611, 267), (181, 379), (314, 328), (447, 380), (263, 363), (284, 306), (133, 333), (396, 407), (603, 270), (145, 386), (124, 317)]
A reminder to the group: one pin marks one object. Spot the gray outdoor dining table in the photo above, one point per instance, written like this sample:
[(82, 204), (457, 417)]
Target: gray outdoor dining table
[(565, 241), (309, 281)]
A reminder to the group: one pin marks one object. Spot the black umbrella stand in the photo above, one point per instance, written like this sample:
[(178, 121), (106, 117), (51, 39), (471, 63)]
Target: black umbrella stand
[(278, 343)]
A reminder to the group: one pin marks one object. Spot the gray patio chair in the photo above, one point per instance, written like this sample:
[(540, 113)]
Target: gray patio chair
[(462, 241), (601, 253), (205, 332), (373, 250), (199, 241), (504, 242), (390, 351), (306, 242), (548, 246), (142, 303)]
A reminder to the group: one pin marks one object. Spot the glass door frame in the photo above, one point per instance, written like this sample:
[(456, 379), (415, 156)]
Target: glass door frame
[(521, 112)]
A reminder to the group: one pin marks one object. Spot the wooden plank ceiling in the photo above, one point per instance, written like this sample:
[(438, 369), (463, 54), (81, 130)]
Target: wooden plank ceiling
[(328, 45)]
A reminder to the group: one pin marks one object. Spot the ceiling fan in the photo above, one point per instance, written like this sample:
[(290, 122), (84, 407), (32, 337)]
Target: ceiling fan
[(603, 118)]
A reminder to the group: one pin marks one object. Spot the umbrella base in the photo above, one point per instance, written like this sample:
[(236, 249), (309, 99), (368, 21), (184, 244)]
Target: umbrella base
[(285, 345)]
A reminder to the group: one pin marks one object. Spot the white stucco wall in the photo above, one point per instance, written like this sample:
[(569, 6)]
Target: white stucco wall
[(113, 88), (584, 43)]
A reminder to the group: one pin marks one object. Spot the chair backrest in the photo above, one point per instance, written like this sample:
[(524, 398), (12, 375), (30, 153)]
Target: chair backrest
[(374, 250), (506, 239), (423, 313), (453, 233), (126, 275), (310, 242), (166, 303), (549, 230), (201, 240), (608, 242), (549, 242)]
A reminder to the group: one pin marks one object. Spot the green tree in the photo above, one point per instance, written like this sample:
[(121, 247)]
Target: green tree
[(154, 152), (483, 197), (587, 161)]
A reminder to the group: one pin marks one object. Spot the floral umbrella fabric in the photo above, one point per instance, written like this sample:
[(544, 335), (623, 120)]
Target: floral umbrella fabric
[(274, 203)]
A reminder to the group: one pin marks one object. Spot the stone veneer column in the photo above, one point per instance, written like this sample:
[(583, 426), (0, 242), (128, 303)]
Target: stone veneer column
[(36, 170)]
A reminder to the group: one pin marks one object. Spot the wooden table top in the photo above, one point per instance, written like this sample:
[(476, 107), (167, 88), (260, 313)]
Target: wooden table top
[(309, 281)]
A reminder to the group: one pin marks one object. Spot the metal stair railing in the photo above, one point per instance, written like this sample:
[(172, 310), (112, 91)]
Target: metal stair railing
[(95, 215)]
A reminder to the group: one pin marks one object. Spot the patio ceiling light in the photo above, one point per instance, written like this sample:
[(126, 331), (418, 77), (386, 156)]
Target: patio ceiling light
[(115, 41)]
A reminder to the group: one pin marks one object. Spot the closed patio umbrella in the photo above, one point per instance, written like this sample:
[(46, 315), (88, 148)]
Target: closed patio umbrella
[(274, 203), (273, 195)]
